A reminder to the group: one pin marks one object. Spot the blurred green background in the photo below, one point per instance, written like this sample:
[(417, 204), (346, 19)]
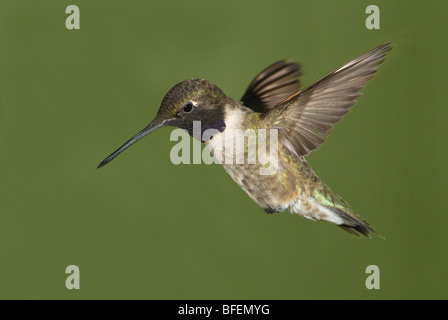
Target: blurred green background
[(143, 228)]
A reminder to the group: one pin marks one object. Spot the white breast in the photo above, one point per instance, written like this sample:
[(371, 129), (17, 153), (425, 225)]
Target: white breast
[(233, 121)]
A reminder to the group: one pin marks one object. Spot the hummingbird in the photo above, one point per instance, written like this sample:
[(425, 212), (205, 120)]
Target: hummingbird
[(302, 120)]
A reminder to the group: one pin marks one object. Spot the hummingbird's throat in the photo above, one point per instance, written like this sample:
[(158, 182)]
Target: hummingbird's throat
[(205, 133)]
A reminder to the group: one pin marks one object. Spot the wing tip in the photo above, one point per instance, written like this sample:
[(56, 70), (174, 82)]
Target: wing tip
[(378, 53)]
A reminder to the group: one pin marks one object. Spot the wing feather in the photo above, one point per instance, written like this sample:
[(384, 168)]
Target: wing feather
[(274, 84), (305, 118)]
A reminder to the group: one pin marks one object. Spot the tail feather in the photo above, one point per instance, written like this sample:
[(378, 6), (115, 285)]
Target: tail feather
[(353, 224), (334, 213), (357, 230), (346, 218)]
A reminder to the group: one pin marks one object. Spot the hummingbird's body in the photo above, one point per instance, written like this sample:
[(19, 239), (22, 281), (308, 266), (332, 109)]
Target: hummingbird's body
[(299, 120), (293, 186)]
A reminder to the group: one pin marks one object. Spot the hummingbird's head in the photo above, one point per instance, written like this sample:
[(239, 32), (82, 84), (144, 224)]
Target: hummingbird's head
[(192, 100)]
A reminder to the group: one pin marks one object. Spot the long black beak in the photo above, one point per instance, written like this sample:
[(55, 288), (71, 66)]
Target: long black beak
[(148, 129)]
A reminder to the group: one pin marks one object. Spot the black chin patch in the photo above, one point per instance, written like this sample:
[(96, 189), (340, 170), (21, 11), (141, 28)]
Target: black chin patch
[(219, 126)]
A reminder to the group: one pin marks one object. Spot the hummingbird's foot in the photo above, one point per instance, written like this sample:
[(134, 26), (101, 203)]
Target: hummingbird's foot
[(271, 210)]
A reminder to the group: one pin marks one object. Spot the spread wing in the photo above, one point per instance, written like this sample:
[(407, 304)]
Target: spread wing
[(274, 84), (305, 118)]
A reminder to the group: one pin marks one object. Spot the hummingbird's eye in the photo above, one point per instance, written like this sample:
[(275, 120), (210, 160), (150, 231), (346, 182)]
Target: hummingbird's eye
[(188, 107)]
